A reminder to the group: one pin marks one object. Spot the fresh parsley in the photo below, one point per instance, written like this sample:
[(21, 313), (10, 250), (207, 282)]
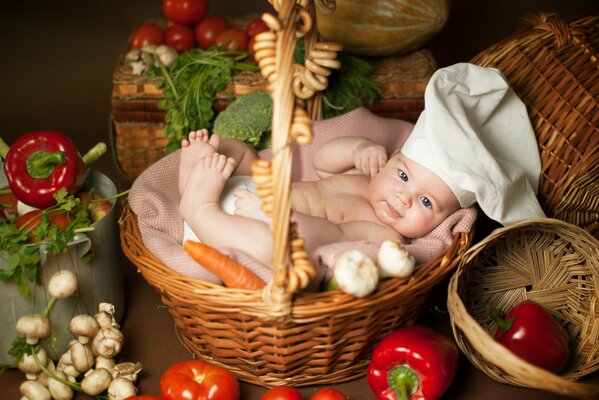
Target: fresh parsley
[(20, 246)]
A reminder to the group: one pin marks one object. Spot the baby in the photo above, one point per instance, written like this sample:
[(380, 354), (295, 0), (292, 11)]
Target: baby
[(473, 143)]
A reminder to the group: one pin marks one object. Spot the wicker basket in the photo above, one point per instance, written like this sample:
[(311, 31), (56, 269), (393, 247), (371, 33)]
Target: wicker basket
[(553, 66), (282, 335), (546, 260)]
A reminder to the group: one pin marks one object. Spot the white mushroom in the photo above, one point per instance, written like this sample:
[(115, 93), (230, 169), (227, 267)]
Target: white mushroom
[(63, 284), (105, 316), (356, 273), (137, 67), (394, 260), (96, 381), (58, 389), (82, 357), (127, 370), (108, 342), (29, 367), (148, 48), (43, 378), (34, 327), (166, 55), (133, 55), (85, 327), (106, 363), (121, 388), (65, 365), (33, 390)]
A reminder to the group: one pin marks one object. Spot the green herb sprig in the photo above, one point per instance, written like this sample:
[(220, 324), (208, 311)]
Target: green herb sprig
[(23, 257), (189, 87)]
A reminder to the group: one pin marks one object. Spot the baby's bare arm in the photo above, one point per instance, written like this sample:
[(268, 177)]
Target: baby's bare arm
[(349, 155), (320, 231)]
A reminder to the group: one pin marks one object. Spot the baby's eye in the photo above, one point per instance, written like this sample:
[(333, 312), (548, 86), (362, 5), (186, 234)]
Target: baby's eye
[(426, 202), (402, 175)]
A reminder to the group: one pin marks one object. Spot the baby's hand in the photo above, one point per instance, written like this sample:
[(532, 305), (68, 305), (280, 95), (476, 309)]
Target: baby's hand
[(370, 158), (248, 204)]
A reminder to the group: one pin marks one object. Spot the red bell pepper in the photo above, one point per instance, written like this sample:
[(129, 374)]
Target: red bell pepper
[(530, 332), (413, 363), (38, 164)]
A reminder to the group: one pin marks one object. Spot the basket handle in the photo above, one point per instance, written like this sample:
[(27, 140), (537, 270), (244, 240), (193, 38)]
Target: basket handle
[(294, 89), (564, 32), (493, 351)]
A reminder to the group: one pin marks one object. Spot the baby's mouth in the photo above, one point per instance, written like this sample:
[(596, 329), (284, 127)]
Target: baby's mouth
[(393, 213)]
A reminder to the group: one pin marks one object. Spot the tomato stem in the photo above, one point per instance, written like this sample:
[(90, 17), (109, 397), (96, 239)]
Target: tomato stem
[(3, 148), (94, 153)]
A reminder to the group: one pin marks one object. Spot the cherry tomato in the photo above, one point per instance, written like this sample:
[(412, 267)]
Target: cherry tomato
[(256, 26), (195, 380), (147, 33), (185, 11), (328, 394), (208, 29), (30, 220), (282, 393), (179, 36), (233, 39)]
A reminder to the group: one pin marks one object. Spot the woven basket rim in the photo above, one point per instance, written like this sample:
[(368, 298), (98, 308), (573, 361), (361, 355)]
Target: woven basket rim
[(465, 326)]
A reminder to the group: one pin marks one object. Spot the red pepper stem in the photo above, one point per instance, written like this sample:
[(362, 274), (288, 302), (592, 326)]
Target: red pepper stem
[(403, 381), (94, 153), (3, 148), (497, 316), (41, 164)]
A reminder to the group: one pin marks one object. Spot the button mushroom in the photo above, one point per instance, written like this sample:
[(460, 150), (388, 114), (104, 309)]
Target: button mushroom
[(127, 370), (82, 357), (63, 284), (29, 367), (121, 388), (96, 381), (33, 327), (85, 327), (59, 390), (108, 342), (33, 390)]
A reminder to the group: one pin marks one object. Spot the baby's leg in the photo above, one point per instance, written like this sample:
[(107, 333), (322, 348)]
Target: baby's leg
[(196, 147), (200, 208)]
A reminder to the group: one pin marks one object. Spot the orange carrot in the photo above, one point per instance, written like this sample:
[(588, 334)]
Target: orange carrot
[(232, 274)]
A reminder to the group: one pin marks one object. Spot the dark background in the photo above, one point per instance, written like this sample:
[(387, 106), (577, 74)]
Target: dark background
[(56, 73)]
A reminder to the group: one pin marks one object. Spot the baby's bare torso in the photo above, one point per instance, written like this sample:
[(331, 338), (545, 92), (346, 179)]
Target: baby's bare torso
[(338, 198)]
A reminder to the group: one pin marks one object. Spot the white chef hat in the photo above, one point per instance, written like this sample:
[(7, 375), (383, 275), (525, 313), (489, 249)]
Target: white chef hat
[(475, 134)]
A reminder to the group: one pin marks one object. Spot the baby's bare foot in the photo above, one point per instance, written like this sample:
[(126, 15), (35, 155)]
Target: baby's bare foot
[(194, 148), (205, 183)]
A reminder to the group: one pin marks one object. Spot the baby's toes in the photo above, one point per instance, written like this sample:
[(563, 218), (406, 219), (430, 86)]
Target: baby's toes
[(214, 140), (229, 167)]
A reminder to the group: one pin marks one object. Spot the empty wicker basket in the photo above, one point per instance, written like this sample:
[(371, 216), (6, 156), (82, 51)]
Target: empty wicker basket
[(548, 261), (553, 67)]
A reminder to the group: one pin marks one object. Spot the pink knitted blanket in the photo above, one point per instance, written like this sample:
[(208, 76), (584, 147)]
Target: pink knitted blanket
[(154, 198)]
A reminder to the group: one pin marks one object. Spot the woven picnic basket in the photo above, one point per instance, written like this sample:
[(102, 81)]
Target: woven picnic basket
[(552, 64), (549, 261), (282, 335)]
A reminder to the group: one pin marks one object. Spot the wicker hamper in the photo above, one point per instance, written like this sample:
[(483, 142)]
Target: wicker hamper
[(549, 261), (282, 335), (137, 123), (553, 65)]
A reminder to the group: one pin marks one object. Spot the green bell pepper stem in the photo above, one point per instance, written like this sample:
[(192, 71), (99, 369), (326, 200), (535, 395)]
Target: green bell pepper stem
[(94, 153), (497, 316), (403, 381)]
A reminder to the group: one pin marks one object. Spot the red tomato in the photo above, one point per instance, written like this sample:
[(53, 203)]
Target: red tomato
[(282, 393), (256, 26), (8, 203), (328, 394), (31, 219), (251, 44), (198, 380), (233, 39), (179, 36), (185, 11), (208, 29), (148, 33)]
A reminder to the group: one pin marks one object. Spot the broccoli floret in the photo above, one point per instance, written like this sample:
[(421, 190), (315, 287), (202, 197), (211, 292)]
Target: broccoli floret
[(247, 118)]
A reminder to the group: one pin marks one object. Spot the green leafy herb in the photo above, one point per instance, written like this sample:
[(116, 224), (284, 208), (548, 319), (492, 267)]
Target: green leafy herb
[(23, 257), (189, 87)]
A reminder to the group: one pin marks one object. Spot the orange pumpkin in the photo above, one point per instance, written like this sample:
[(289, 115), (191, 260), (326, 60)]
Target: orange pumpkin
[(383, 27)]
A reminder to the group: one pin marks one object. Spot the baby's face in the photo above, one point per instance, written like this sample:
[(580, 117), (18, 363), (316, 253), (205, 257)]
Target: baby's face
[(410, 198)]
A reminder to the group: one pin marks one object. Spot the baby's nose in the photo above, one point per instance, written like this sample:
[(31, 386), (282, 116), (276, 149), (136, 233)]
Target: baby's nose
[(405, 199)]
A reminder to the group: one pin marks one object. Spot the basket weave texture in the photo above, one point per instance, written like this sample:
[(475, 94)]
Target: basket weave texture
[(549, 261), (552, 64), (282, 335)]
